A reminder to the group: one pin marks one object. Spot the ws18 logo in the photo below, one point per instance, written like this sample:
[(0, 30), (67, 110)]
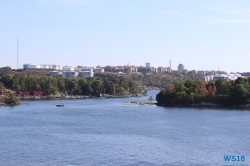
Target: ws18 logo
[(234, 158)]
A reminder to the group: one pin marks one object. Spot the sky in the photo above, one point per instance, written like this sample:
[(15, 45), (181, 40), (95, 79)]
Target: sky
[(200, 34)]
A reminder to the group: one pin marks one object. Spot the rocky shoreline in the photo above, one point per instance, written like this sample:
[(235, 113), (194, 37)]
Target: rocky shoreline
[(205, 105), (61, 97), (75, 97), (12, 104)]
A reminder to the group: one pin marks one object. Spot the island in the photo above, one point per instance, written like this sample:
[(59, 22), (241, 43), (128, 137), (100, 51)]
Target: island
[(10, 100), (198, 93)]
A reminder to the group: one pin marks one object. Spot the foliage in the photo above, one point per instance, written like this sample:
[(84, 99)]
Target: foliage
[(221, 92), (11, 100), (5, 70), (157, 79), (74, 86)]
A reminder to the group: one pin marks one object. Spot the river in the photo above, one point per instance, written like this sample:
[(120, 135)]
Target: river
[(116, 133)]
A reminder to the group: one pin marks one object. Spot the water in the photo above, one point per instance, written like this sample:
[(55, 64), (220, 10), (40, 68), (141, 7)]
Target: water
[(112, 132)]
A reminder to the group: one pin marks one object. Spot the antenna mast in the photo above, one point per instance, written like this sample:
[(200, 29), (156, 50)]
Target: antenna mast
[(17, 54)]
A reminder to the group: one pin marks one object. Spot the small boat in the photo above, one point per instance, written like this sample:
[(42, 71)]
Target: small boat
[(60, 105)]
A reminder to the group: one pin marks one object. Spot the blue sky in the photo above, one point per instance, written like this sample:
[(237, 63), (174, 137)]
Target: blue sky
[(200, 34)]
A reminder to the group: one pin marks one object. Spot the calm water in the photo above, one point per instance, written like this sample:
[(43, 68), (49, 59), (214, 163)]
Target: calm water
[(111, 132)]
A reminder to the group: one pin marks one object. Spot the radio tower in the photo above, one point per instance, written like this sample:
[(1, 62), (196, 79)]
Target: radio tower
[(17, 54)]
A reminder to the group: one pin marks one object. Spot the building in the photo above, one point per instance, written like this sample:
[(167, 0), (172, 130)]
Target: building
[(41, 67), (70, 74), (181, 67), (132, 68), (88, 69), (227, 77), (120, 68), (55, 73), (202, 72), (86, 73), (147, 65), (160, 69), (169, 70), (68, 68), (56, 67), (98, 70), (207, 78)]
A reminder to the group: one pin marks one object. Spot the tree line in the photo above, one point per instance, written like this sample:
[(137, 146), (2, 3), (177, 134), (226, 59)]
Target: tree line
[(156, 79), (74, 86), (219, 92)]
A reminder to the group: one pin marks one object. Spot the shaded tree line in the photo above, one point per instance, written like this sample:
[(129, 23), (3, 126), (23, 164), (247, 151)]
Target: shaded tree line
[(75, 86)]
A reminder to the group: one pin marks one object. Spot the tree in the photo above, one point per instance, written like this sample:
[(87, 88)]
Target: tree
[(12, 100), (239, 95), (170, 88), (96, 86), (5, 70), (202, 89), (214, 90), (72, 85), (222, 87), (61, 85), (7, 80)]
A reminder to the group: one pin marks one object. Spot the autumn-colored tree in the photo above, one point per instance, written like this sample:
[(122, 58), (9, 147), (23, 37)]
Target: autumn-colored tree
[(170, 88), (209, 89), (214, 90), (202, 88)]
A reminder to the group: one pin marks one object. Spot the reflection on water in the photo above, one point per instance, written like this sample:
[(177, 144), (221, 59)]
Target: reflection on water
[(110, 132)]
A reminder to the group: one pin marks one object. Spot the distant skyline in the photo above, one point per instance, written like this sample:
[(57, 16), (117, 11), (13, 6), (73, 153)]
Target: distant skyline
[(201, 35)]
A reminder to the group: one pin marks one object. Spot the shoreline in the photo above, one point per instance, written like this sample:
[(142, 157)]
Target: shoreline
[(55, 97), (205, 105), (13, 104), (35, 98), (63, 97)]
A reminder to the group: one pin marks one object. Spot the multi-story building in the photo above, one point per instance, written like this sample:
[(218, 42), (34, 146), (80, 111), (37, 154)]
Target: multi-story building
[(41, 67), (86, 73), (169, 70), (120, 68), (181, 67), (160, 69), (70, 74), (98, 70)]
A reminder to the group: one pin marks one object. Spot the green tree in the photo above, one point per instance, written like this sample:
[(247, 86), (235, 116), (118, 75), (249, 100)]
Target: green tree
[(12, 100), (7, 80)]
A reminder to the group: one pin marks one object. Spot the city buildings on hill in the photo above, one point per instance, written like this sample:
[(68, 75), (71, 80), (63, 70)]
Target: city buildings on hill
[(83, 71)]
